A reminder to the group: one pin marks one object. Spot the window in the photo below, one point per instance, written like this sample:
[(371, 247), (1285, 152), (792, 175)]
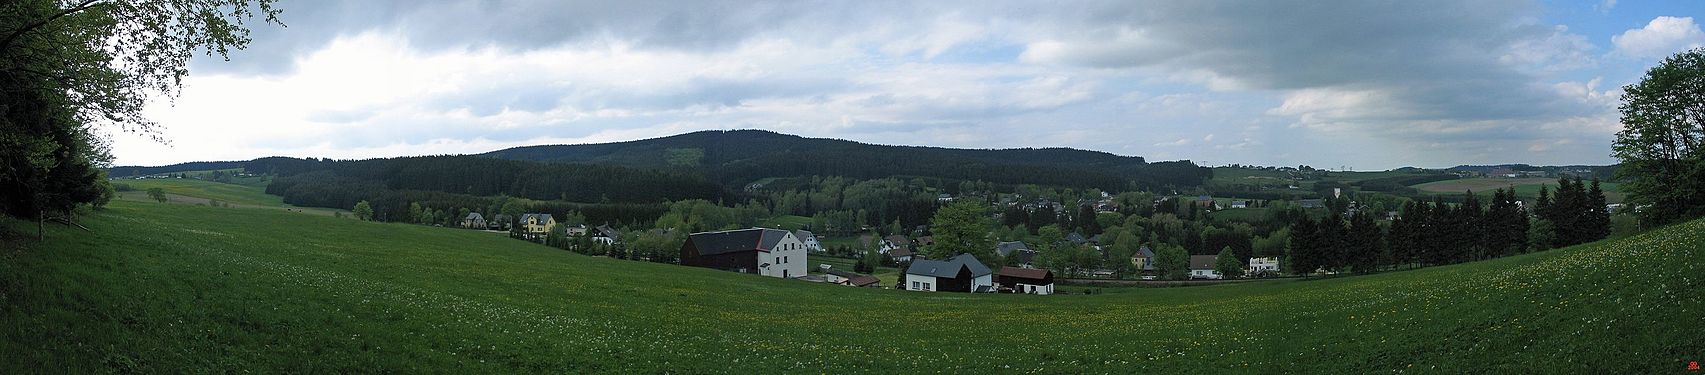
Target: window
[(914, 285), (926, 286)]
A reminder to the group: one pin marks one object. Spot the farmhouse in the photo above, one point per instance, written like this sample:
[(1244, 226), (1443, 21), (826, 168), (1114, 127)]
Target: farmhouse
[(1202, 267), (537, 224), (474, 221), (902, 255), (1143, 260), (962, 273), (895, 242), (606, 235), (1240, 204), (1263, 266), (767, 252), (809, 239), (1025, 280)]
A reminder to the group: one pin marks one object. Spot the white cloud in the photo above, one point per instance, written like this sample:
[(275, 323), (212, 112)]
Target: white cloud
[(1605, 6), (1559, 51), (1660, 38)]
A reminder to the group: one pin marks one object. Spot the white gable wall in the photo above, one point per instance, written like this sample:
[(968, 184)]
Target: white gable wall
[(787, 259)]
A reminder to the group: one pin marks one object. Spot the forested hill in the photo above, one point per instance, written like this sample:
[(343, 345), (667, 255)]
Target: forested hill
[(129, 171), (737, 157), (395, 182)]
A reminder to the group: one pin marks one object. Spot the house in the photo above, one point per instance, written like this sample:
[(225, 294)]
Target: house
[(962, 273), (1206, 202), (1096, 239), (902, 255), (924, 241), (943, 197), (1143, 260), (810, 241), (1024, 253), (474, 221), (606, 235), (1202, 267), (1076, 238), (499, 222), (1240, 204), (537, 224), (576, 230), (895, 242), (1265, 265), (767, 252), (1025, 280)]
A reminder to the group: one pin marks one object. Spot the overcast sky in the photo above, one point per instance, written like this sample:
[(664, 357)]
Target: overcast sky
[(1361, 84)]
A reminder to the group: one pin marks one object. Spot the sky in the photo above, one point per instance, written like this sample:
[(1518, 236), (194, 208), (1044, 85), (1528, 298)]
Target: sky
[(1363, 85)]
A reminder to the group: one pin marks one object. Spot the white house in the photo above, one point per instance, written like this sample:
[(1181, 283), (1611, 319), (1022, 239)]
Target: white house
[(1202, 267), (962, 273), (1267, 265), (768, 252), (810, 241)]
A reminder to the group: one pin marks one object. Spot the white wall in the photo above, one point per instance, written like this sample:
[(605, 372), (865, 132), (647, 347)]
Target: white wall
[(1040, 289), (790, 250), (920, 279), (985, 280)]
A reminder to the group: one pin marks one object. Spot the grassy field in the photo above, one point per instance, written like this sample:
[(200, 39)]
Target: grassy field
[(229, 193), (163, 288), (1525, 187), (248, 193), (888, 275), (786, 222)]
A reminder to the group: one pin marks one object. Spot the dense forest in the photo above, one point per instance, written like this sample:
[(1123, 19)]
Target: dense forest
[(451, 183), (739, 157)]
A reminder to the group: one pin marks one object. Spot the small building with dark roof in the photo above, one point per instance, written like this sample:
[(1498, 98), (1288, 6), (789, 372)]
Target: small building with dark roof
[(1025, 280), (768, 252), (962, 273), (1016, 249), (1202, 267)]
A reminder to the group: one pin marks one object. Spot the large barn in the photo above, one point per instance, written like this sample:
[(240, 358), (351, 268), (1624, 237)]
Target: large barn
[(768, 252)]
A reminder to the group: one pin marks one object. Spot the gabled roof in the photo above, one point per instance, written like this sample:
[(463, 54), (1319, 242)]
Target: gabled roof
[(1008, 247), (474, 216), (901, 252), (948, 268), (803, 234), (863, 281), (1076, 238), (606, 231), (731, 241), (1025, 273), (1202, 262), (899, 241), (542, 217), (1145, 252)]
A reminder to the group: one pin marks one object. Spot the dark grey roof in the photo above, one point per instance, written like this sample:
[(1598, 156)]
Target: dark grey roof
[(1075, 238), (606, 231), (1005, 248), (1202, 262), (475, 216), (948, 268), (730, 241), (803, 234), (542, 217)]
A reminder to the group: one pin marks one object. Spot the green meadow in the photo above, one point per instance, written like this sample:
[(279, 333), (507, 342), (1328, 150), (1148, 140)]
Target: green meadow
[(175, 288)]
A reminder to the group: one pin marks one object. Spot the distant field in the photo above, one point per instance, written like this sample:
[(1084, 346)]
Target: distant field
[(1525, 187), (1247, 215), (787, 222), (194, 191), (164, 288)]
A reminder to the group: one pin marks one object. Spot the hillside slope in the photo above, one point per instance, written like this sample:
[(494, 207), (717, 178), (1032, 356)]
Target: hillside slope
[(177, 288)]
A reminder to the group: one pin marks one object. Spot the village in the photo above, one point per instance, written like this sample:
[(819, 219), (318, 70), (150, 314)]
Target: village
[(786, 254)]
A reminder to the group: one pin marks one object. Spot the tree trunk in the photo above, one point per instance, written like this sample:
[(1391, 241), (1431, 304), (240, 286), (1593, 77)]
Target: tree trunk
[(40, 231)]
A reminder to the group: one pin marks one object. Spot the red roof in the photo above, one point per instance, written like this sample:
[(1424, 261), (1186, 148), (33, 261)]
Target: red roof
[(1026, 273)]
